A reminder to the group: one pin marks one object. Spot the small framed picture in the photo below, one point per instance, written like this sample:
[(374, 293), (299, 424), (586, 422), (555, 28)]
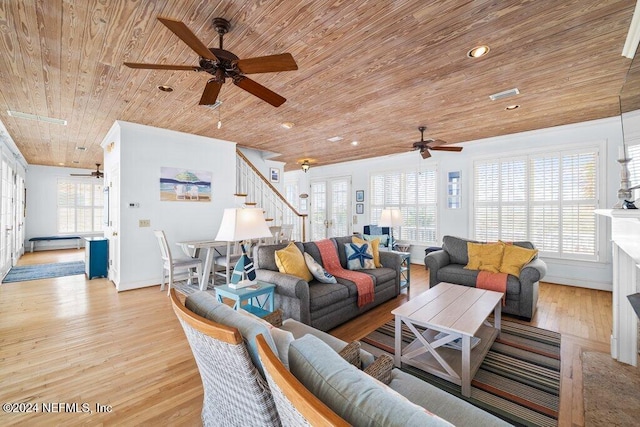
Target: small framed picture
[(359, 195), (274, 174), (360, 208)]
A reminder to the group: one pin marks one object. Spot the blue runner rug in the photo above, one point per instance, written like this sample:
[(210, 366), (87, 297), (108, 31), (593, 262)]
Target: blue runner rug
[(44, 271)]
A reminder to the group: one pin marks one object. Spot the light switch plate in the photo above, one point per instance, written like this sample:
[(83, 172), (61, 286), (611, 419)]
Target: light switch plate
[(144, 223)]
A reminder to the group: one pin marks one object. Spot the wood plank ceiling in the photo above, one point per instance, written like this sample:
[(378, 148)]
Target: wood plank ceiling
[(369, 71)]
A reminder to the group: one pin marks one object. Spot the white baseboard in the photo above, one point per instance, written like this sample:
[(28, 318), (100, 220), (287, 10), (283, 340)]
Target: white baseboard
[(137, 285), (580, 284)]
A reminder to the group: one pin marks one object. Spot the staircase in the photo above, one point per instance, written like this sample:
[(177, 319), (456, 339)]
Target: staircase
[(259, 192)]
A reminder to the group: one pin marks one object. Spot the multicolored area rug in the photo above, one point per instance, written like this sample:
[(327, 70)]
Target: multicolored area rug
[(518, 381), (44, 271)]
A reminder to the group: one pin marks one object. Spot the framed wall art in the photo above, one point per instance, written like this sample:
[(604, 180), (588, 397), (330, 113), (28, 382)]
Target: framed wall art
[(274, 174)]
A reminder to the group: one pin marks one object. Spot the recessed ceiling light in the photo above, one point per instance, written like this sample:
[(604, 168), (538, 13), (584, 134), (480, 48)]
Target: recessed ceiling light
[(512, 107), (335, 139), (165, 88), (81, 148), (354, 143), (20, 115), (287, 125), (478, 51), (60, 164)]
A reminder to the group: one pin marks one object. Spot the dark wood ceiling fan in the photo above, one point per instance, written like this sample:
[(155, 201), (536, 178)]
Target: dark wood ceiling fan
[(431, 144), (96, 173), (222, 64)]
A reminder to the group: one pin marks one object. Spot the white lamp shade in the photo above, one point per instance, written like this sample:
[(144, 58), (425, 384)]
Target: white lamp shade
[(390, 217), (242, 224)]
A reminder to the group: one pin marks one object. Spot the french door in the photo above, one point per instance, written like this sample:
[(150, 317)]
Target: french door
[(7, 215), (330, 208)]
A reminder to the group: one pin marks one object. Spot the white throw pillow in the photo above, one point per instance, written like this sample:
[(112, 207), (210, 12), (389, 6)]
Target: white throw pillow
[(317, 271)]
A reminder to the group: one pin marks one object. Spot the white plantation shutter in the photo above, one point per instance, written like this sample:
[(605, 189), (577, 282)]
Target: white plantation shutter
[(80, 206), (415, 194), (547, 198), (633, 152)]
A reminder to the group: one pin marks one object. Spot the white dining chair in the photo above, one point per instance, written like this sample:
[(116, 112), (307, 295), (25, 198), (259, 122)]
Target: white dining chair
[(170, 264), (224, 263)]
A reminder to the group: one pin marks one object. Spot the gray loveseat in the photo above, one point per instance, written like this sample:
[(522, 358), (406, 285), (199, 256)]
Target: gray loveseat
[(447, 265), (322, 305)]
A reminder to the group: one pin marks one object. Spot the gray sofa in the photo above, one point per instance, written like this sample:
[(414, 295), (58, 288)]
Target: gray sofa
[(447, 265), (321, 305)]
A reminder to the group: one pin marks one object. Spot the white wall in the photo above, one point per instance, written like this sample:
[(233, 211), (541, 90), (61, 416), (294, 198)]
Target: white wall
[(458, 221), (141, 151), (41, 183)]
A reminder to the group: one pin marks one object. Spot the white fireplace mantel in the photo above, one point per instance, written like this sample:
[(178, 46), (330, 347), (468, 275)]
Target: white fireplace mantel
[(625, 239)]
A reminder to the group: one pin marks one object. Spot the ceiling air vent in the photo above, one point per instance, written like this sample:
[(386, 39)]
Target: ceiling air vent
[(504, 94)]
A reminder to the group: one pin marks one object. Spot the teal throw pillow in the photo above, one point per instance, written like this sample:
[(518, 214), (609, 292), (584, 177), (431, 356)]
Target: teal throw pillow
[(359, 256), (384, 238)]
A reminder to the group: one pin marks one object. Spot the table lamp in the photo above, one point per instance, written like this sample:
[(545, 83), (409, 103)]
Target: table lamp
[(238, 225), (390, 217)]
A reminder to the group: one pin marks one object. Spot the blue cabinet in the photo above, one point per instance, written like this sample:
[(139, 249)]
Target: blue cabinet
[(96, 256)]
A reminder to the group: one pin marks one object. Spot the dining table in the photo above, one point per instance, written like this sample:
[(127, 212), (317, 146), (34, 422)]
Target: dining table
[(192, 249)]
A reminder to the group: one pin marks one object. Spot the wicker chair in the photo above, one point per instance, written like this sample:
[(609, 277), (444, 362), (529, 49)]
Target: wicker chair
[(234, 392), (296, 405)]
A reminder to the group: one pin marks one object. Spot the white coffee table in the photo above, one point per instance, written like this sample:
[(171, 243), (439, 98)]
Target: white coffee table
[(458, 312)]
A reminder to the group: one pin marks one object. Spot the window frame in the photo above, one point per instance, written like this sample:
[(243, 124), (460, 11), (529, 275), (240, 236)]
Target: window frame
[(404, 206), (600, 148), (97, 225)]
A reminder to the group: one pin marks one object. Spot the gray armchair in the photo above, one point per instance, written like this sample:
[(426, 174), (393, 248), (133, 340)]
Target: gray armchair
[(447, 265)]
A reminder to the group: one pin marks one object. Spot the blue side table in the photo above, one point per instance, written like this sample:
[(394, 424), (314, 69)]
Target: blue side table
[(247, 298)]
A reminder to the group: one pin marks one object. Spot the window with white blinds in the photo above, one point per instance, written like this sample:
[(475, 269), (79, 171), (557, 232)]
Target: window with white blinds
[(415, 193), (633, 153), (546, 198), (80, 206)]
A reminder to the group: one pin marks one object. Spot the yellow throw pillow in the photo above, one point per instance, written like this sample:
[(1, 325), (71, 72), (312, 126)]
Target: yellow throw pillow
[(516, 257), (485, 256), (291, 261), (375, 248)]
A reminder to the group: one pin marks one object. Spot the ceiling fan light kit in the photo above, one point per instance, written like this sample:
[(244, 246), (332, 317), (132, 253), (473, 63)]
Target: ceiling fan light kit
[(305, 166), (222, 64)]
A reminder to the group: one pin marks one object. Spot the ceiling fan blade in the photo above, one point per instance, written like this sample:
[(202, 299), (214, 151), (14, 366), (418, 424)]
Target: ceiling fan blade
[(436, 142), (267, 64), (161, 66), (210, 93), (260, 91), (446, 148), (425, 153), (186, 35)]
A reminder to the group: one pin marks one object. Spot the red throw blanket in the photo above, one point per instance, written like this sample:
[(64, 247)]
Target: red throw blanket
[(331, 263), (493, 282)]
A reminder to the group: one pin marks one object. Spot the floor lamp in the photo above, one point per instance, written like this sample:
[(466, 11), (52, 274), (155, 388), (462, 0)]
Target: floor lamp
[(390, 217), (238, 225)]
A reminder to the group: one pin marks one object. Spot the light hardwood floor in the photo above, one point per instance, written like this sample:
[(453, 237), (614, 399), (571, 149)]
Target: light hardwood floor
[(71, 340)]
